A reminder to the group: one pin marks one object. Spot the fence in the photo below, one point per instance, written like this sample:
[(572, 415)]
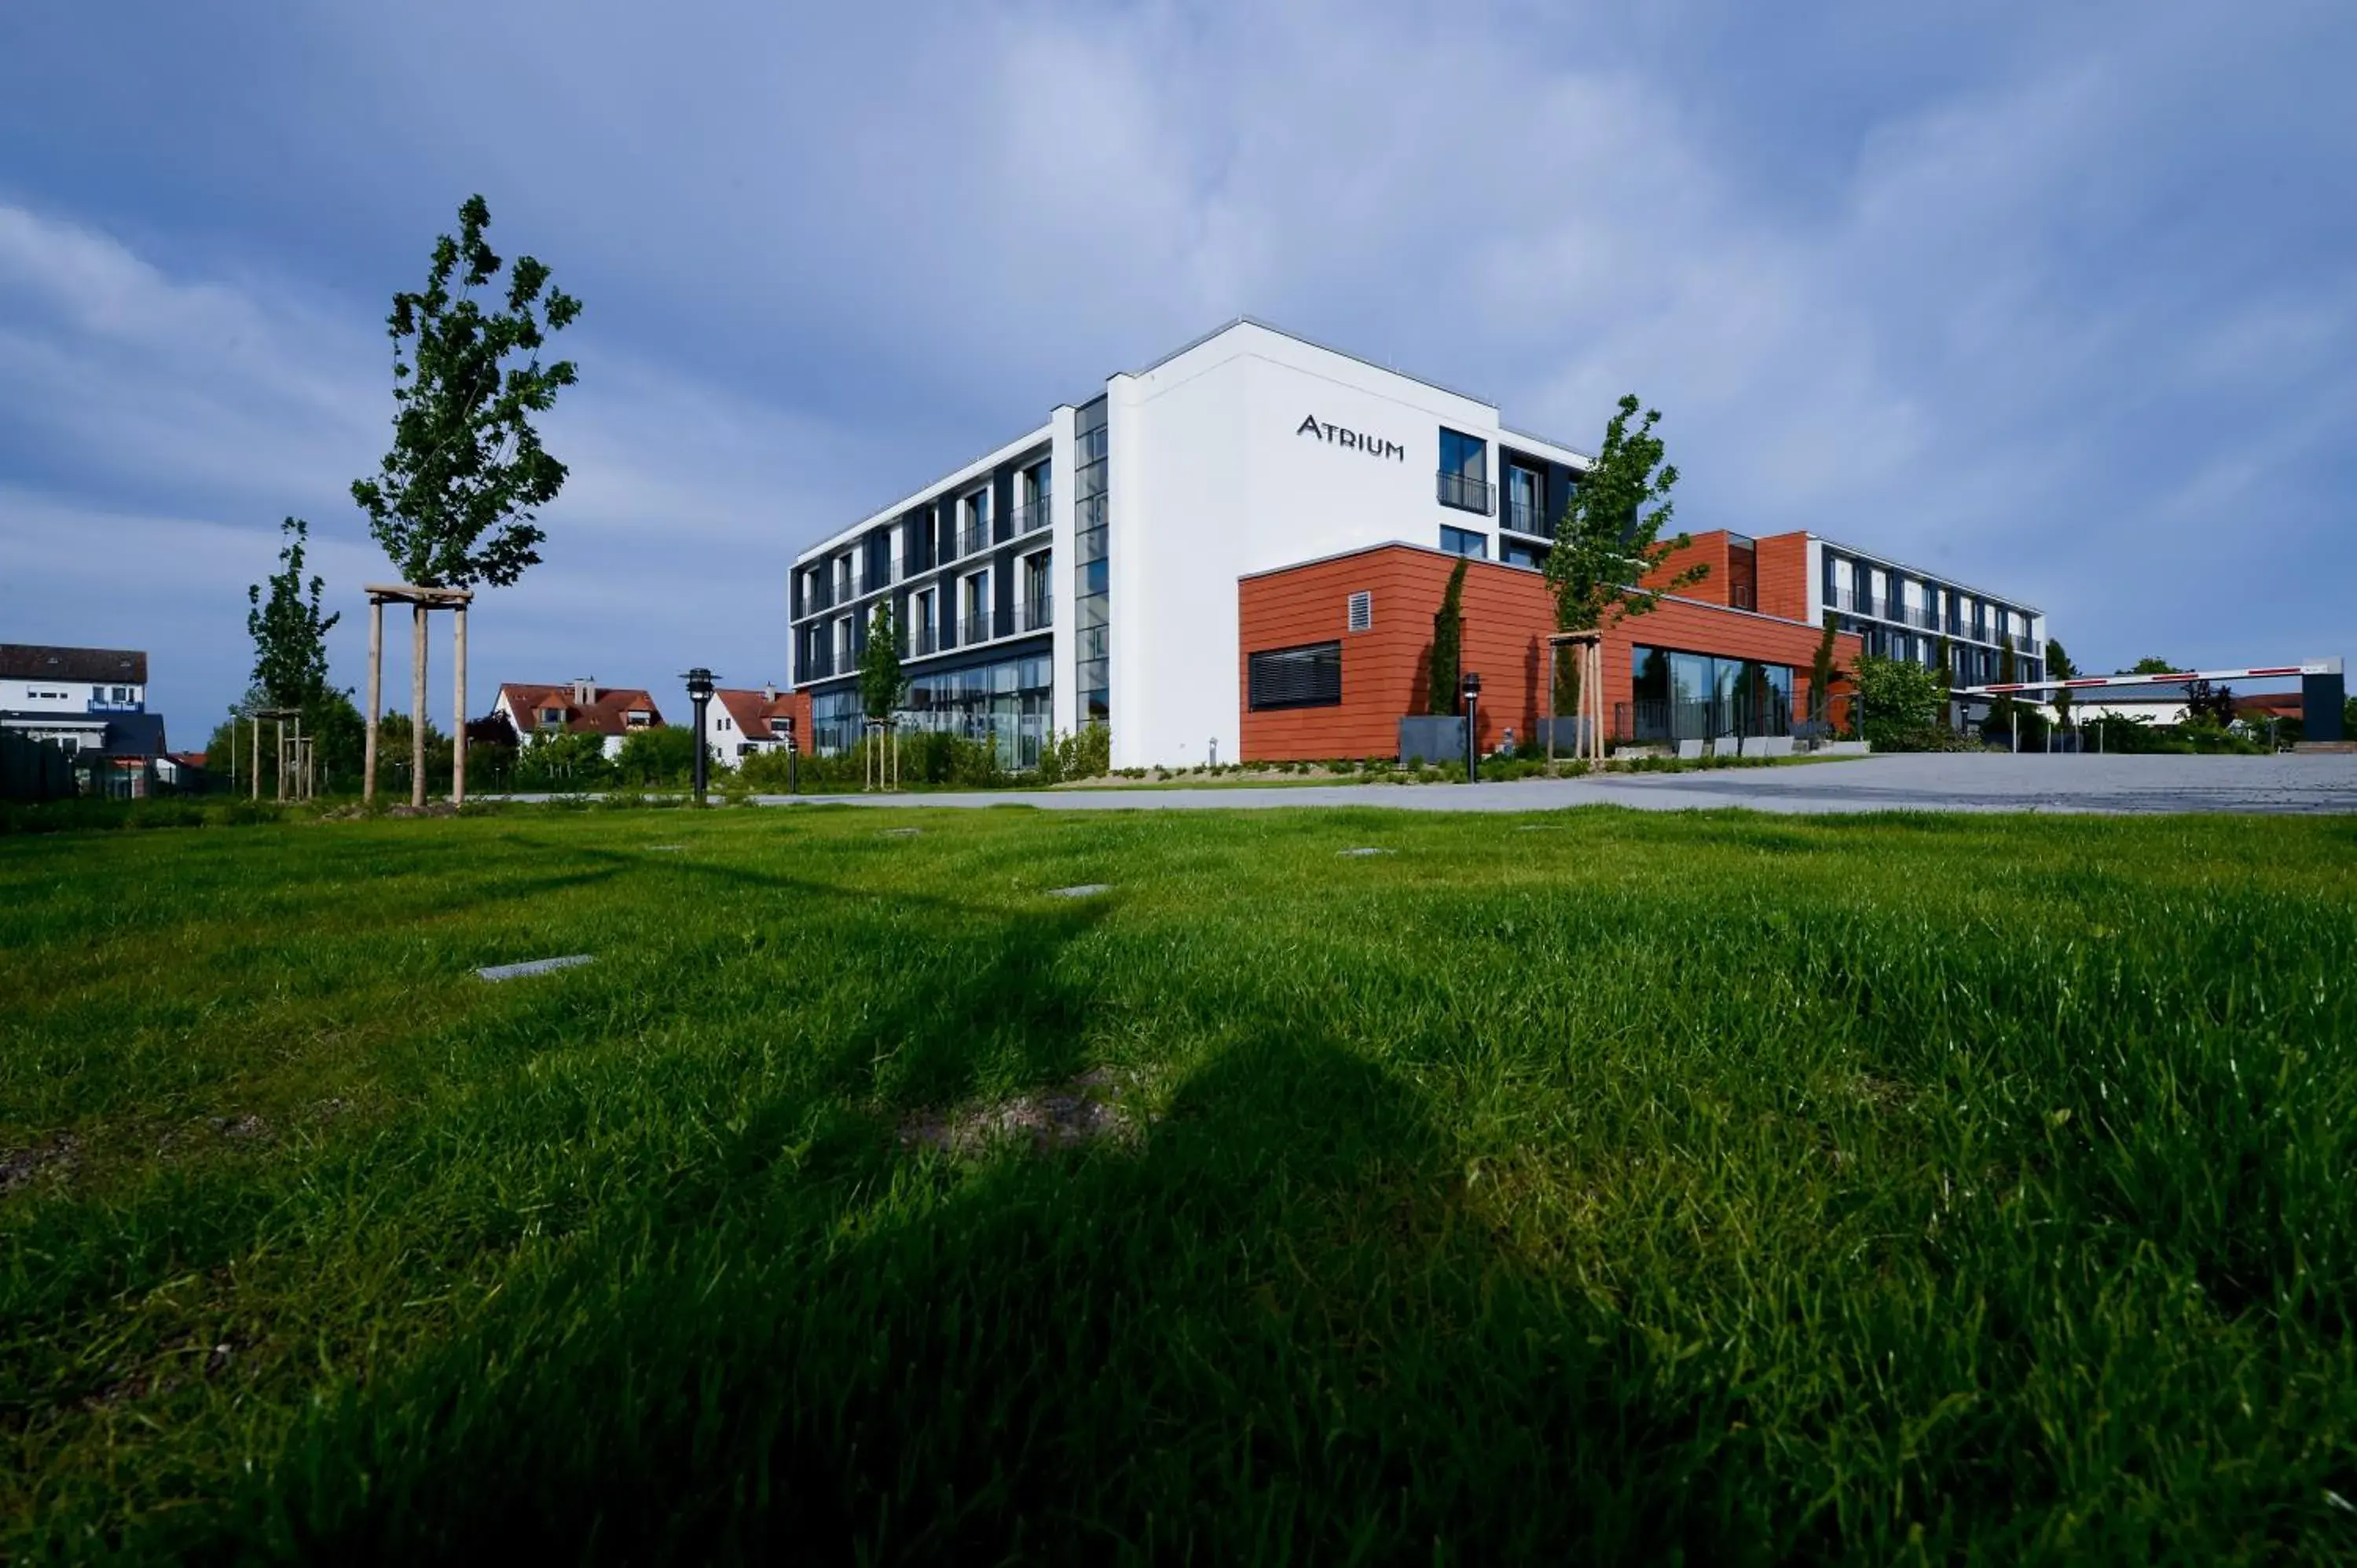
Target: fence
[(34, 769), (1659, 720)]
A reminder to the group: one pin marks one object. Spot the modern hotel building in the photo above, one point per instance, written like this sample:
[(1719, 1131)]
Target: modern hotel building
[(1249, 538)]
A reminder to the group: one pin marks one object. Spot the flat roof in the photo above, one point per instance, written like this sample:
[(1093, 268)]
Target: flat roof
[(835, 539)]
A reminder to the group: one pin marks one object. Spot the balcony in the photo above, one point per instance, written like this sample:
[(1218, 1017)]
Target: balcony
[(977, 627), (1465, 493), (818, 666), (1033, 515), (974, 538), (1034, 614), (819, 596), (1524, 517), (917, 641)]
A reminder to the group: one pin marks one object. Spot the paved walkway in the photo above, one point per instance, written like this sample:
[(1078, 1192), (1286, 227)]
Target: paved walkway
[(1933, 783)]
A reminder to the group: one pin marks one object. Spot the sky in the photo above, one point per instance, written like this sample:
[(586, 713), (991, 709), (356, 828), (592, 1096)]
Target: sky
[(2060, 301)]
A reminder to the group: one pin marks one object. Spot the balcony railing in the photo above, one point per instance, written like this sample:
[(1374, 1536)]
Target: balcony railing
[(1465, 493), (1654, 720), (922, 640), (820, 596), (975, 629), (1032, 516), (818, 666), (974, 538), (1034, 615), (1524, 517)]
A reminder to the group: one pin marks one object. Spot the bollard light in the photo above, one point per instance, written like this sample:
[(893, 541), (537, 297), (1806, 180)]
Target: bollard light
[(699, 691), (1471, 689)]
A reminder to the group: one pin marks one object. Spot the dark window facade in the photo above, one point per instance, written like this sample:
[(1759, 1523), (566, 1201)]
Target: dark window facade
[(1306, 677)]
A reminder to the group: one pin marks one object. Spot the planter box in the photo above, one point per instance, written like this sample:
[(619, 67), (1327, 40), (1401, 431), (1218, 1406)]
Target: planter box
[(1567, 731), (1435, 740)]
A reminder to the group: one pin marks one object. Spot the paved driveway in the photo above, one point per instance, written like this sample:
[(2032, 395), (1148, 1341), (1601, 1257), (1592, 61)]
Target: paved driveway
[(1943, 782)]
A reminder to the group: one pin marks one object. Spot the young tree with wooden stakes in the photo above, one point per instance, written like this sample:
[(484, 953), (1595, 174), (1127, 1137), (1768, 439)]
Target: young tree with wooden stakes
[(455, 502), (290, 657), (1609, 538)]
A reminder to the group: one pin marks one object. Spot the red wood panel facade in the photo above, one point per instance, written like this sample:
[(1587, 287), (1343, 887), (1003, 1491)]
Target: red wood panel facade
[(1508, 616), (1784, 575)]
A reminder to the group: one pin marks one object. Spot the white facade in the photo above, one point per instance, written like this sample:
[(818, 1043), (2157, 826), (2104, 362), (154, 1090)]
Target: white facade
[(71, 696), (1247, 450)]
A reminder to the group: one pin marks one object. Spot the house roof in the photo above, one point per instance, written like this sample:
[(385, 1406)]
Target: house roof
[(605, 712), (135, 734), (753, 710), (29, 662)]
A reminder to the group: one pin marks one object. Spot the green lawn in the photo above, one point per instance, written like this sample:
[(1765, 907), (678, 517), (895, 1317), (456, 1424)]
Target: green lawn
[(1593, 1187)]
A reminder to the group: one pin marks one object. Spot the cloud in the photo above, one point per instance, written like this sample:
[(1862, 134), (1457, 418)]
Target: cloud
[(2048, 298)]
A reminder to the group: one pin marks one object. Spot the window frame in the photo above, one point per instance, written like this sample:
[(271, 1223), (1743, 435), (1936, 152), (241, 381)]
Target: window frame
[(1310, 689)]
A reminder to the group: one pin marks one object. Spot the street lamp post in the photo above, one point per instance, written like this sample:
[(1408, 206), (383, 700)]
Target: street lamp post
[(699, 691), (1471, 689)]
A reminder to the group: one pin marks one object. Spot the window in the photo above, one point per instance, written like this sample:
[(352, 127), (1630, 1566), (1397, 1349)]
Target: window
[(1742, 573), (974, 513), (1521, 551), (1700, 696), (551, 717), (1464, 472), (1465, 542), (1362, 611), (1032, 504), (1526, 500), (1308, 677)]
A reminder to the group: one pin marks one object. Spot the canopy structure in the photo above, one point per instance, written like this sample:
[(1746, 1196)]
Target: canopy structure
[(2323, 689)]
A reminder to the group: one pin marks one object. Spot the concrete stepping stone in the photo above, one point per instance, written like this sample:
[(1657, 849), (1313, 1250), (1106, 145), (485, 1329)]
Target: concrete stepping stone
[(1356, 852), (532, 966), (1083, 890)]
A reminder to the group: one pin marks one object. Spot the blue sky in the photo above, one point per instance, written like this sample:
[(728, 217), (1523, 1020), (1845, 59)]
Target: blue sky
[(2060, 300)]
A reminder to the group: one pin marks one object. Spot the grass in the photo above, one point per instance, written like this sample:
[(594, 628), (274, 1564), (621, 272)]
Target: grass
[(1743, 1188)]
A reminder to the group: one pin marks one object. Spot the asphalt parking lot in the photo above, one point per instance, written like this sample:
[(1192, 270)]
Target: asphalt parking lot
[(1992, 781)]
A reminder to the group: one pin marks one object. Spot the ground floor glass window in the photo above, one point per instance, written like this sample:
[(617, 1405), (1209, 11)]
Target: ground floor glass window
[(1674, 695)]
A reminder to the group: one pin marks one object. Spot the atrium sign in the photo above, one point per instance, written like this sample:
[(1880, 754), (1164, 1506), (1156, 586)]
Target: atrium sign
[(1335, 436)]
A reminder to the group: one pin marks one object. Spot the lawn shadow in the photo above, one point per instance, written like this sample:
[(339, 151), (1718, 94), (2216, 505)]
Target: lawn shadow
[(1275, 1329)]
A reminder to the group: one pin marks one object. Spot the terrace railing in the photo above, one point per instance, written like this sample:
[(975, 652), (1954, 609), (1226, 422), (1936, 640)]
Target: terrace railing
[(1466, 492), (1656, 720)]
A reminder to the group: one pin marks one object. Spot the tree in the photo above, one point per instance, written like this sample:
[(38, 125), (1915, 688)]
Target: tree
[(2205, 704), (1901, 699), (666, 755), (1448, 645), (1821, 672), (290, 634), (2151, 667), (2000, 718), (2060, 668), (1946, 659), (1608, 539), (881, 681), (466, 461)]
